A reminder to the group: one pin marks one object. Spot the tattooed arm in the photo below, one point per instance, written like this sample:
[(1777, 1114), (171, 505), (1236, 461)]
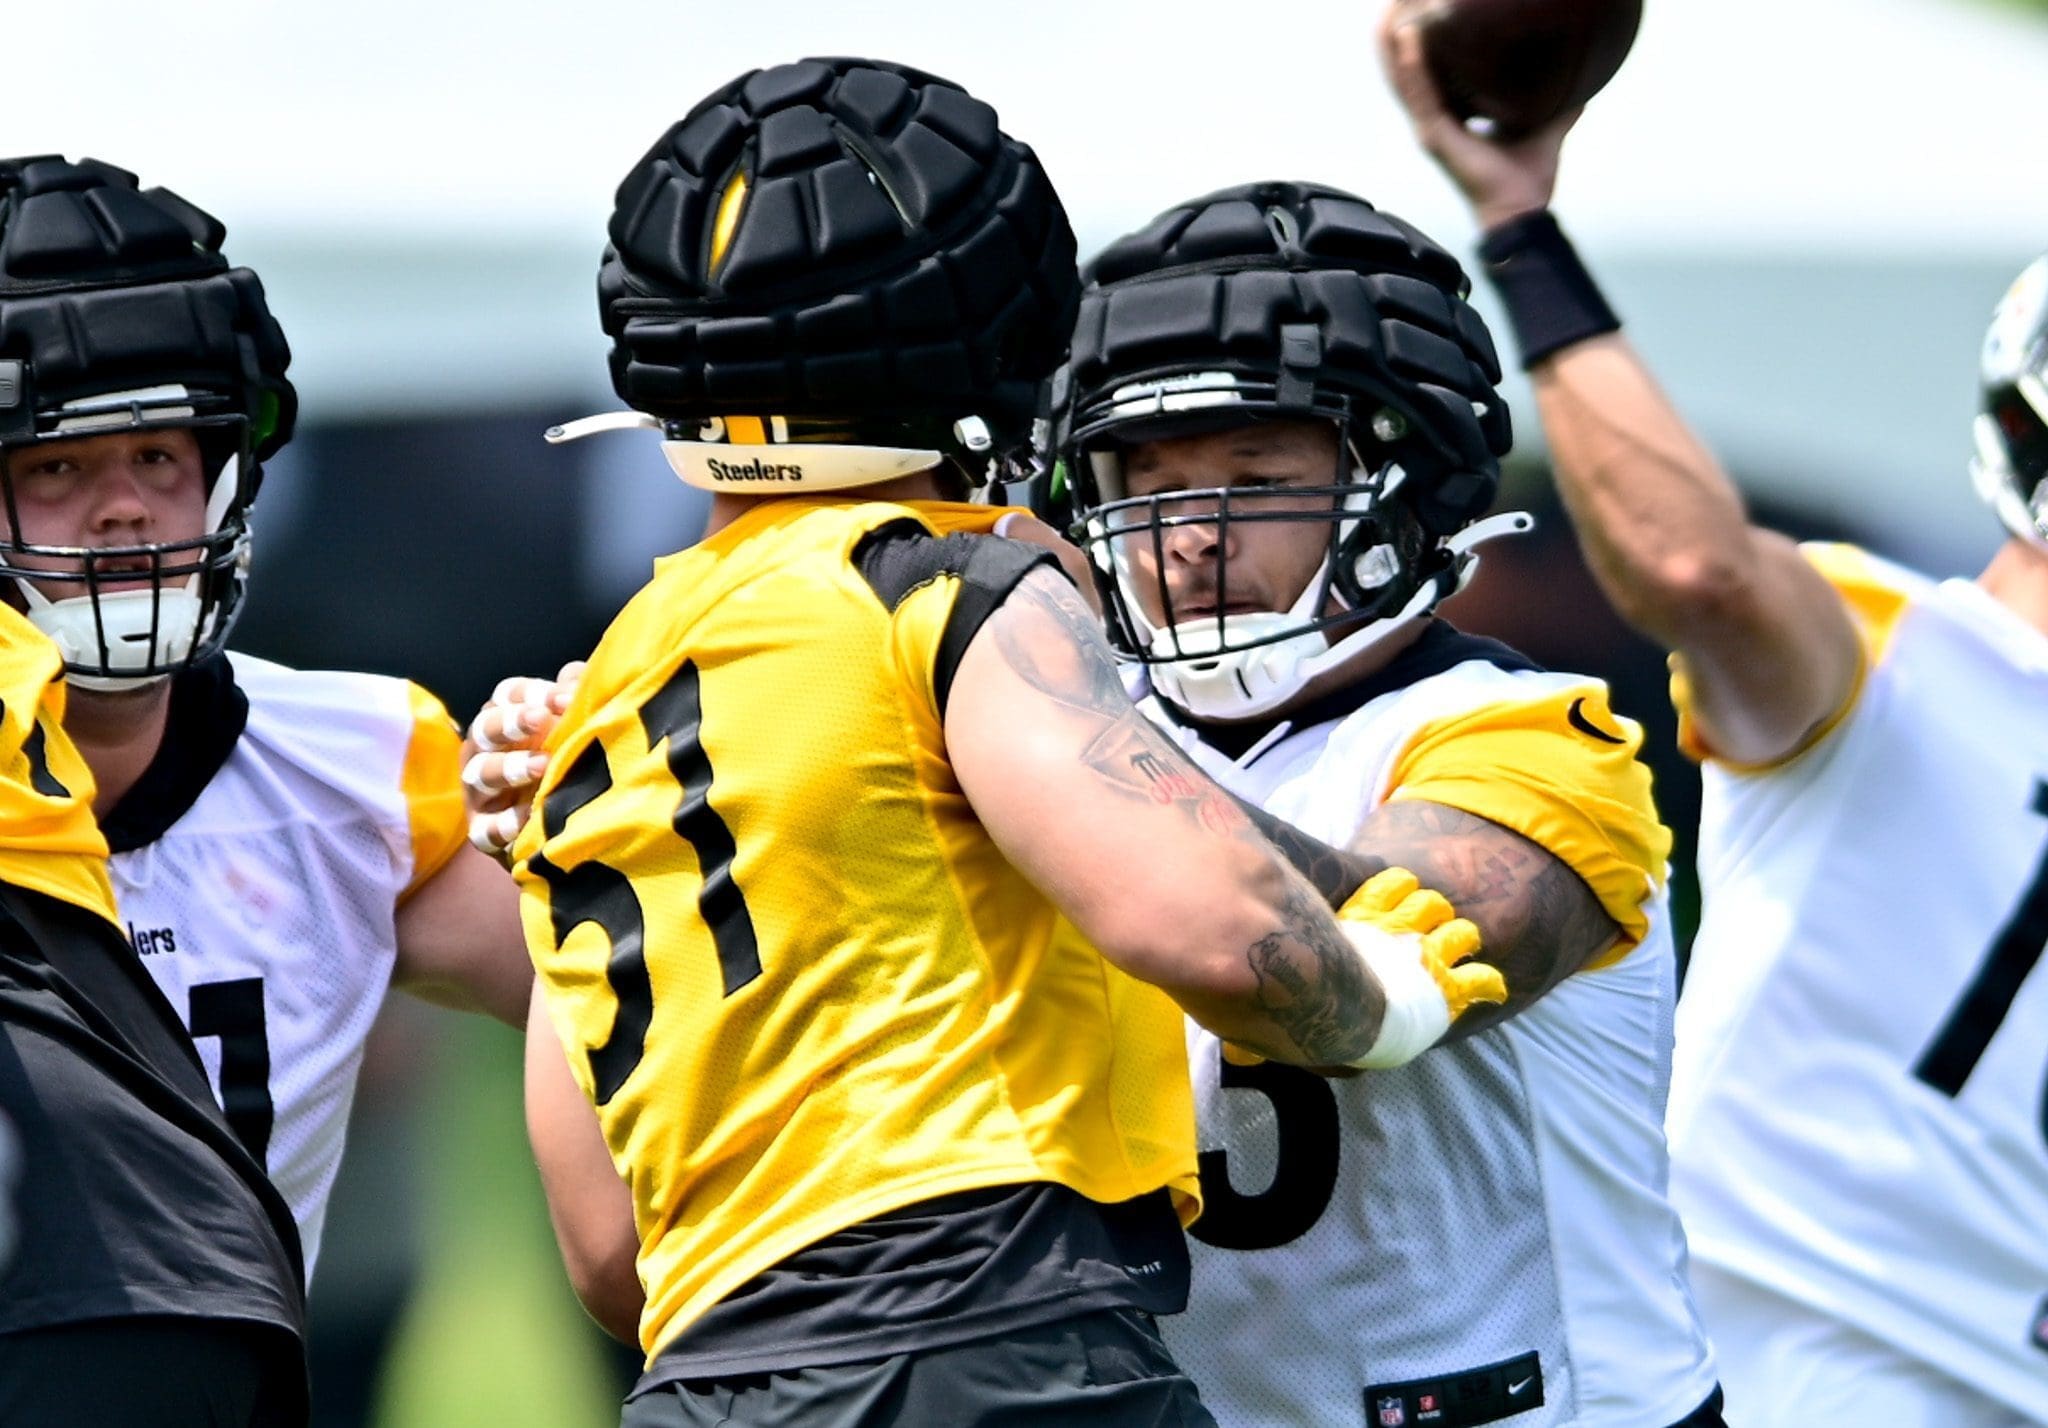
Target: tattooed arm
[(1538, 920), (1158, 866), (1335, 873)]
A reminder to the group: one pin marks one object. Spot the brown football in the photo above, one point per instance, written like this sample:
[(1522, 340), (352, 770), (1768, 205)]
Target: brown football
[(1521, 63)]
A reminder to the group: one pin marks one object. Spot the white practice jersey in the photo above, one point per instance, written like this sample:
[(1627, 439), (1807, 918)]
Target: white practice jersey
[(1482, 1235), (1857, 1116), (259, 878)]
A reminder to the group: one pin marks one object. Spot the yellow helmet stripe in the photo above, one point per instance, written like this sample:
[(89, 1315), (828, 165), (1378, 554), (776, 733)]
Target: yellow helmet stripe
[(722, 227), (746, 431)]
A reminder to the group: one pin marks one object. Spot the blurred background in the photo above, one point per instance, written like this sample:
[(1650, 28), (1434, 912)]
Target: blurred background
[(1804, 209)]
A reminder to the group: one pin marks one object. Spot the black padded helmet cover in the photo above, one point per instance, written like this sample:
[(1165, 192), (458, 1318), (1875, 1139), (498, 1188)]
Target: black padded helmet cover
[(106, 287), (841, 240), (1278, 301), (117, 311), (1321, 305)]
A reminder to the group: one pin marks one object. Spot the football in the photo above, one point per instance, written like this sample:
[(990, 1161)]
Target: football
[(1518, 64)]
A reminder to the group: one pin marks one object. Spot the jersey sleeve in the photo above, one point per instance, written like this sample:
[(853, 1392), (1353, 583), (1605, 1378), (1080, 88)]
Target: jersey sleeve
[(940, 590), (436, 815), (1563, 771), (49, 840), (1876, 595)]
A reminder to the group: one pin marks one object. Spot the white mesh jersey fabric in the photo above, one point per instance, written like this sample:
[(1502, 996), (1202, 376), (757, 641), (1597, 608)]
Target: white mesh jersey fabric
[(1497, 1197), (1857, 1114), (285, 873)]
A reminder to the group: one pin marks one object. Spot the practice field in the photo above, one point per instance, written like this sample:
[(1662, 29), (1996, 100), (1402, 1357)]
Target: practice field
[(494, 1337)]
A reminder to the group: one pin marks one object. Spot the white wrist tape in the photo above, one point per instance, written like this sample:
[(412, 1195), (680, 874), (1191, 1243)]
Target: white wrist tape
[(1417, 1015), (495, 832), (514, 773)]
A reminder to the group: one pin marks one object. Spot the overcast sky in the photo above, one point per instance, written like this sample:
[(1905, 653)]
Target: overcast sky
[(1805, 208), (1760, 123)]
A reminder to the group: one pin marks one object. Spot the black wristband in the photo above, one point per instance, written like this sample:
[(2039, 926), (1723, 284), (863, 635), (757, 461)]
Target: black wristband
[(1551, 300)]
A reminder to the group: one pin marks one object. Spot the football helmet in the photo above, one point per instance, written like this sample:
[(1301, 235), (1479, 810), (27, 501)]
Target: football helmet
[(1282, 300), (833, 273), (118, 312), (2010, 464)]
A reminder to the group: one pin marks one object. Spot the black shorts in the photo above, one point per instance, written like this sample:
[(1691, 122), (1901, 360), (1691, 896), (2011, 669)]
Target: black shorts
[(1103, 1370), (163, 1372)]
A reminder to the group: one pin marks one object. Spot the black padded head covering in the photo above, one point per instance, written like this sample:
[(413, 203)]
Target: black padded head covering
[(1317, 304), (105, 287), (840, 239), (121, 294)]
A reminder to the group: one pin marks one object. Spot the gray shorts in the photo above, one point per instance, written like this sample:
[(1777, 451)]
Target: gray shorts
[(1103, 1370)]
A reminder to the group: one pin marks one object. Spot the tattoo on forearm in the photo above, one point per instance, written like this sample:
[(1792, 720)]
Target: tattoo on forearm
[(1335, 873), (1313, 985), (1310, 981), (1539, 920)]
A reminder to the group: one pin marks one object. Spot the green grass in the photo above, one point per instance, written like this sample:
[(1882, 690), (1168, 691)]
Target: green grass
[(494, 1338)]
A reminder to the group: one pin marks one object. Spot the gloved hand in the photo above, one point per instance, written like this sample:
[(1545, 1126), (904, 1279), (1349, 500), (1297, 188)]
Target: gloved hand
[(1420, 951)]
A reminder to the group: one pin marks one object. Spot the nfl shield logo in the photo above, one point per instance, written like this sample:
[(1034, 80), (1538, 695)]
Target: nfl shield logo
[(1393, 1413)]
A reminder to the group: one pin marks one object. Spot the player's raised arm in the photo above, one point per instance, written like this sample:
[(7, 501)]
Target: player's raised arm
[(1768, 649), (1162, 870)]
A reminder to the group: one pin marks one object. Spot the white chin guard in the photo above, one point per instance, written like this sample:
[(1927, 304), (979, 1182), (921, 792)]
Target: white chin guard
[(77, 622), (1245, 683), (1237, 684)]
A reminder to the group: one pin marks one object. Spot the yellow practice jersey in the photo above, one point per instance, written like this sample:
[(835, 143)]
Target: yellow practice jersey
[(799, 980), (48, 839)]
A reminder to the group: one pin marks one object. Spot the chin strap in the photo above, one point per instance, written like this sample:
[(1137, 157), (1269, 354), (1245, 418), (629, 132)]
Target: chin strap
[(1466, 542)]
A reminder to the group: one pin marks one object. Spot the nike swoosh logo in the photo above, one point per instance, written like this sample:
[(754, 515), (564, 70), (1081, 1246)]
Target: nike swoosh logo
[(1576, 717), (1515, 1388)]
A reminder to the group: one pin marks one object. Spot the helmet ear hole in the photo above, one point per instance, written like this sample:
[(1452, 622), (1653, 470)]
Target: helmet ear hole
[(1380, 561)]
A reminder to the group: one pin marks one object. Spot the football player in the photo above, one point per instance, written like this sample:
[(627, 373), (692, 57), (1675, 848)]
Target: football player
[(850, 795), (1856, 1110), (156, 1274), (1279, 427), (286, 844)]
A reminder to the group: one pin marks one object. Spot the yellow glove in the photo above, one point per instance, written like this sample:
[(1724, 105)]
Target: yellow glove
[(1393, 910)]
